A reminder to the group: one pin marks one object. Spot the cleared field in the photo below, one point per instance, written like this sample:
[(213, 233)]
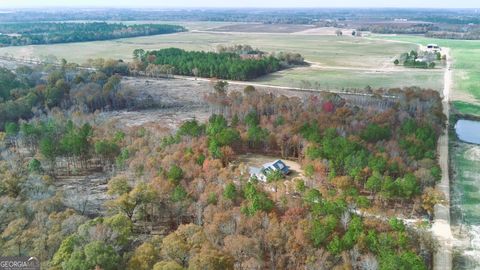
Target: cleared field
[(345, 79), (355, 58), (326, 50), (466, 66), (263, 28)]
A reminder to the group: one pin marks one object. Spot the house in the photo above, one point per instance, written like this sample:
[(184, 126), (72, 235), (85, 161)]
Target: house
[(262, 172), (433, 47)]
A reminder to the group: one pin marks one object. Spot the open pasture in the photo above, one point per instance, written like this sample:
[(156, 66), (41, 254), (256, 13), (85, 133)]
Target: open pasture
[(343, 51), (351, 62), (264, 28), (466, 64), (338, 79)]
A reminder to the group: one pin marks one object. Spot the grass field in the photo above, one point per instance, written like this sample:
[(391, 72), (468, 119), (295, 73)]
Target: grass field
[(263, 28), (466, 108), (326, 50), (338, 78), (337, 53), (466, 67), (466, 161)]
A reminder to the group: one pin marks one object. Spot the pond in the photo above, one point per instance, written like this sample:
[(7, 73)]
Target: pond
[(468, 131)]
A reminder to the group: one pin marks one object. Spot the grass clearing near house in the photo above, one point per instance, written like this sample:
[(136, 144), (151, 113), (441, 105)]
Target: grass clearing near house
[(257, 160)]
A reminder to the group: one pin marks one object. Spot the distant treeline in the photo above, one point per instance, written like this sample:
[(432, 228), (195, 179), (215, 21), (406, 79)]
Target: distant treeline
[(223, 65), (264, 15), (470, 35), (18, 34), (385, 21), (398, 28)]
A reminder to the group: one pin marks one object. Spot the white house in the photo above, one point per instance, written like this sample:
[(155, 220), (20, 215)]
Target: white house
[(262, 172), (433, 47)]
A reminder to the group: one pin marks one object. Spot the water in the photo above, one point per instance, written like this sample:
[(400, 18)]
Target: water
[(468, 131)]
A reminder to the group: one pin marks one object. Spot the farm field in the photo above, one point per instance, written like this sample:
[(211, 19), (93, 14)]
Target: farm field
[(466, 66), (321, 50), (345, 78), (326, 50), (264, 28)]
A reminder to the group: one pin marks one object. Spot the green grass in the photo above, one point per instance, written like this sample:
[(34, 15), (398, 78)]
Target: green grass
[(466, 67), (338, 79), (466, 181), (467, 108)]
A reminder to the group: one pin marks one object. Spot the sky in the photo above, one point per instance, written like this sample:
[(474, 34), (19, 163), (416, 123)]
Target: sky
[(242, 3)]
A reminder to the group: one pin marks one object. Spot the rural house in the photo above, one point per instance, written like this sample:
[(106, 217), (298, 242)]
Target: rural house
[(261, 173), (433, 47)]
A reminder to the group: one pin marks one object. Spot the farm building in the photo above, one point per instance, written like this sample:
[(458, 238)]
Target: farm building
[(433, 47), (261, 173)]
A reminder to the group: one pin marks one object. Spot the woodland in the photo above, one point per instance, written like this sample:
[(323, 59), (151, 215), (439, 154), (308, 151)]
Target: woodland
[(183, 201)]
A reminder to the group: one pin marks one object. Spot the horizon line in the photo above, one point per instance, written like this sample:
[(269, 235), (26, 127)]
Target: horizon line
[(229, 7)]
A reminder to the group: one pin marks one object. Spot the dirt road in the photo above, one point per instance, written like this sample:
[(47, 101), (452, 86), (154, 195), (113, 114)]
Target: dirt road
[(288, 88), (441, 226)]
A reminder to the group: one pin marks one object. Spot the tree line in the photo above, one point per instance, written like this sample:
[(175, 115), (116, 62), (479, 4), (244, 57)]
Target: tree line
[(224, 65), (20, 34)]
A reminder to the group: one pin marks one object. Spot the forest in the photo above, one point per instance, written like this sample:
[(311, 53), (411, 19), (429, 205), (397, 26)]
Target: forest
[(184, 201), (20, 34), (228, 63), (25, 92)]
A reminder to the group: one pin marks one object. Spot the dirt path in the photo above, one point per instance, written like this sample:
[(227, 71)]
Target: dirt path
[(441, 225), (289, 88)]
